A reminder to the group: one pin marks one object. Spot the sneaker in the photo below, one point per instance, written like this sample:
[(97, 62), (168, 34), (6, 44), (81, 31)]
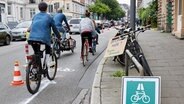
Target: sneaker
[(97, 43)]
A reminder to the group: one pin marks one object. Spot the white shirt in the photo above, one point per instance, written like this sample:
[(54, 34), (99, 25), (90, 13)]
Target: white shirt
[(86, 24)]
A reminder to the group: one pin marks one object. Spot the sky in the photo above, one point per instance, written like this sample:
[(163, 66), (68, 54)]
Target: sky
[(124, 1)]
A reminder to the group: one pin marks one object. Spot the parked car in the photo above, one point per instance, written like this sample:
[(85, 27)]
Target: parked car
[(74, 24), (106, 24), (19, 32), (5, 34), (12, 24)]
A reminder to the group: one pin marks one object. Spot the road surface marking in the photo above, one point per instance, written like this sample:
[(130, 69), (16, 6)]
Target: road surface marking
[(44, 84)]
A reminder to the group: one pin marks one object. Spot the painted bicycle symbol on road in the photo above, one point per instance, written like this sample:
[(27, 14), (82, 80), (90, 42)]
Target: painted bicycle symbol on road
[(140, 95)]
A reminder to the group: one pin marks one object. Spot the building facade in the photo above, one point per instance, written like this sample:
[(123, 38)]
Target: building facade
[(178, 18), (20, 10)]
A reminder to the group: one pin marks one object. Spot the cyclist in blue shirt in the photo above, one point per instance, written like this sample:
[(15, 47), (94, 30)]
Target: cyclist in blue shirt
[(59, 18), (40, 29)]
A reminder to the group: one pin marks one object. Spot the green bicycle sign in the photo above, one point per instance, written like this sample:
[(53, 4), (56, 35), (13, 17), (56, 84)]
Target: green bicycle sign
[(141, 90)]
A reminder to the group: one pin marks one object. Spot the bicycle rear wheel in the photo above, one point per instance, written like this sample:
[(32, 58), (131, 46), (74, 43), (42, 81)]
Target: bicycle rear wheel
[(52, 67), (33, 77), (85, 55), (121, 59)]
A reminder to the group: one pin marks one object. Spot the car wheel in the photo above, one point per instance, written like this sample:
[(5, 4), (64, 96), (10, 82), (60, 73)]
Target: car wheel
[(7, 41)]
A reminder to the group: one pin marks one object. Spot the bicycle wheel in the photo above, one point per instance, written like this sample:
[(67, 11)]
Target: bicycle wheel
[(52, 66), (144, 63), (93, 47), (84, 55), (121, 59), (33, 78)]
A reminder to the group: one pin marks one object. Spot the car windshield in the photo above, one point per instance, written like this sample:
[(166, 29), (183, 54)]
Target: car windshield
[(24, 24), (2, 27), (75, 21)]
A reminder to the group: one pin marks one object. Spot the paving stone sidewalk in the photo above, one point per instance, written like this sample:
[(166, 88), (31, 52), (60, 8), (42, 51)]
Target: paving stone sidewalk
[(165, 55)]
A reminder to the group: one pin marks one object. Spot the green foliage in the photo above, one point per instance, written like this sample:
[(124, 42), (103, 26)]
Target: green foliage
[(118, 73), (149, 15), (116, 11), (99, 8)]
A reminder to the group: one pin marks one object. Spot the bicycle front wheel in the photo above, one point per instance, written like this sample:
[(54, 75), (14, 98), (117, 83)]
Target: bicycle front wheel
[(33, 77), (52, 67)]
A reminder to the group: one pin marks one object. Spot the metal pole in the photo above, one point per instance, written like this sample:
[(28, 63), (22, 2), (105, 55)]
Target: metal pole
[(132, 14)]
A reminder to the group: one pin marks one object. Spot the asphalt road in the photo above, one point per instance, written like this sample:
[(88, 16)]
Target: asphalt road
[(73, 81)]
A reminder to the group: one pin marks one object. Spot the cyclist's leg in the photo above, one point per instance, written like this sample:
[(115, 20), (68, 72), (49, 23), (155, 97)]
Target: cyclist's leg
[(96, 38), (64, 34)]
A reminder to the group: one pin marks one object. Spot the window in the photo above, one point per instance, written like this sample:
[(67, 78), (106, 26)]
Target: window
[(50, 8), (21, 12), (32, 1), (73, 8), (9, 9), (32, 13), (75, 21), (67, 6), (180, 7)]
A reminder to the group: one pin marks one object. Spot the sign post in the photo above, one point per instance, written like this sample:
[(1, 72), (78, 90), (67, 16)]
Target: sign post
[(141, 90)]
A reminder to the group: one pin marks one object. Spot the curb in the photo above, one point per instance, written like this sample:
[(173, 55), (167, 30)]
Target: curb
[(95, 91)]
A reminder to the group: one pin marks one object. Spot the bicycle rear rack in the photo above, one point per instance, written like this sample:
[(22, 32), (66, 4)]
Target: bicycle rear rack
[(128, 55)]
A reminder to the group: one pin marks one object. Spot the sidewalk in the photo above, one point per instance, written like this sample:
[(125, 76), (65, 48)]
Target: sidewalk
[(165, 55)]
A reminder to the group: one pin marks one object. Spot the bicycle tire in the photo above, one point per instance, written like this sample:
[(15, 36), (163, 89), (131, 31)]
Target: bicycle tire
[(85, 54), (121, 59), (93, 47), (29, 73), (53, 66), (144, 63)]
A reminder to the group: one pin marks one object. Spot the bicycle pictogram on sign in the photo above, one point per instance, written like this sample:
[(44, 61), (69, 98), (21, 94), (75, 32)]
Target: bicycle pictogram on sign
[(140, 95)]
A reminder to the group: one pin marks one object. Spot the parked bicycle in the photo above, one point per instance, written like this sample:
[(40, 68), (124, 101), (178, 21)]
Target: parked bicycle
[(134, 47), (37, 67)]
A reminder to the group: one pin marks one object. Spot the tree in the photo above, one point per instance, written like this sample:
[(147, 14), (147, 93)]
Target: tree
[(116, 11), (99, 8), (149, 15)]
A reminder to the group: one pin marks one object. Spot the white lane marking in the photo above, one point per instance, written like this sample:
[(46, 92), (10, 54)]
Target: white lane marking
[(44, 84), (66, 69)]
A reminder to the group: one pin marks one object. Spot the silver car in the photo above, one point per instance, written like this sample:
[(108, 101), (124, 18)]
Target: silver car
[(19, 32), (74, 24)]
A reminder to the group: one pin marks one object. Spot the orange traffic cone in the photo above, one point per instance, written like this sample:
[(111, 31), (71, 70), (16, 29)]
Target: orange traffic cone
[(17, 79)]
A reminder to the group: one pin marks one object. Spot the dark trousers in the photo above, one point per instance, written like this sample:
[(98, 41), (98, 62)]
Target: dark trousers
[(89, 36), (36, 47)]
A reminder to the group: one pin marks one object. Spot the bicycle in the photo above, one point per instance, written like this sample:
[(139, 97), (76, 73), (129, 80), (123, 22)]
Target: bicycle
[(38, 67), (84, 53), (134, 47), (93, 45)]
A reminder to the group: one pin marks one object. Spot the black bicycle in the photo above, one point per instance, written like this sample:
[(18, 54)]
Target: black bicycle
[(133, 46), (38, 67)]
